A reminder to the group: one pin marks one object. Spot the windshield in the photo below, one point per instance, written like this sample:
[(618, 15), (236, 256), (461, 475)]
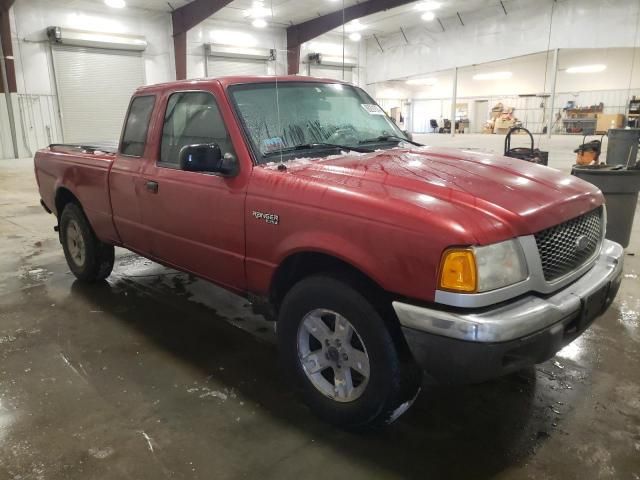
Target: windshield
[(312, 116)]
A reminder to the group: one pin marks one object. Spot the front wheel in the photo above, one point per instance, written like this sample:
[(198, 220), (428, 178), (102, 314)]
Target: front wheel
[(342, 356), (88, 258)]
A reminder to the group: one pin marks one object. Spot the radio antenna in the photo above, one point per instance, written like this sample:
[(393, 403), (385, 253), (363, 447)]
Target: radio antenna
[(343, 39), (281, 166)]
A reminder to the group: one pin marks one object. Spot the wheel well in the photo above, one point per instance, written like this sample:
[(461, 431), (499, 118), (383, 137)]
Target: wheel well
[(63, 197), (299, 265)]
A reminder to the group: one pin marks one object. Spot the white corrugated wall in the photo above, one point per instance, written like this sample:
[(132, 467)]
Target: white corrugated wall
[(226, 66)]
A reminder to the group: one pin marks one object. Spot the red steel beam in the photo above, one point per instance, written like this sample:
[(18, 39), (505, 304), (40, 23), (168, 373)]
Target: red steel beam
[(180, 52), (191, 14), (293, 59), (303, 32), (185, 18)]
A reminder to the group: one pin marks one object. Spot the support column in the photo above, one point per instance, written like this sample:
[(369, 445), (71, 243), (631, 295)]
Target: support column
[(180, 52), (552, 99), (7, 49), (305, 31), (8, 74), (454, 97), (293, 59), (184, 19)]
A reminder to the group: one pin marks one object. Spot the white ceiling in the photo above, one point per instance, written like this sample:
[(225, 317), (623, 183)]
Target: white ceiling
[(408, 16), (288, 12)]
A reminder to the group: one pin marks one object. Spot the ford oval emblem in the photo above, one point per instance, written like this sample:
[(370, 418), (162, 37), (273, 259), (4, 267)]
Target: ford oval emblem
[(582, 242)]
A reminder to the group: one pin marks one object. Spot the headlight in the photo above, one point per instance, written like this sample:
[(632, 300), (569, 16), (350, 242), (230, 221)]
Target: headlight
[(480, 269)]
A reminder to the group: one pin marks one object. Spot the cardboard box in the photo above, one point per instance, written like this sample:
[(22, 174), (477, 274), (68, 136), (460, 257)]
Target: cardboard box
[(503, 124), (607, 121)]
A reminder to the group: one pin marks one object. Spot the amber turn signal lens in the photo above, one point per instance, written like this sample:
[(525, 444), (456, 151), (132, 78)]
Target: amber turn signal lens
[(458, 271)]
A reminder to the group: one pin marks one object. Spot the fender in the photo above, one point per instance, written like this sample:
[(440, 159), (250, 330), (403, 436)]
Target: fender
[(391, 273), (341, 248)]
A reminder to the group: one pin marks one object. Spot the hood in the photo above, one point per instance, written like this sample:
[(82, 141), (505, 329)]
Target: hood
[(507, 197)]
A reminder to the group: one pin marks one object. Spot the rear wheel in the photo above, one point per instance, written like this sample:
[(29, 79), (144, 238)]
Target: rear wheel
[(88, 258), (342, 356)]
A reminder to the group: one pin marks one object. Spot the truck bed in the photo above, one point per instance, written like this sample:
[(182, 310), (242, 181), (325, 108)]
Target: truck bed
[(84, 170)]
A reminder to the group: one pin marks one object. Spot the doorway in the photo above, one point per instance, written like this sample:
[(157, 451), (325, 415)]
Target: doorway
[(480, 115)]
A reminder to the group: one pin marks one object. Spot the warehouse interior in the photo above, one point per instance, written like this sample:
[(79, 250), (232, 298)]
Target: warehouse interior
[(155, 373)]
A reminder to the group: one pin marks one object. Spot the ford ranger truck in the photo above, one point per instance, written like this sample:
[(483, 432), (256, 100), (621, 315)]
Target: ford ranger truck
[(381, 260)]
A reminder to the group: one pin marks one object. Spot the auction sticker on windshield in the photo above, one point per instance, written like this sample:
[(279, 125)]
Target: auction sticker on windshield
[(272, 145), (372, 109)]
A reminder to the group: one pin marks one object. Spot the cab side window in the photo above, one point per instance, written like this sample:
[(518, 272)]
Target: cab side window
[(136, 127), (192, 118)]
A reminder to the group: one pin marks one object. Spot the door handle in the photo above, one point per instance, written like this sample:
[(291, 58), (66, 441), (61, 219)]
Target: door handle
[(151, 186)]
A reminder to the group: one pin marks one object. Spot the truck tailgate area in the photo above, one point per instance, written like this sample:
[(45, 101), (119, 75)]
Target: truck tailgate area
[(83, 173)]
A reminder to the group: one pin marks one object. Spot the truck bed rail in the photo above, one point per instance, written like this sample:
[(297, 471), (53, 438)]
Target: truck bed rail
[(105, 147)]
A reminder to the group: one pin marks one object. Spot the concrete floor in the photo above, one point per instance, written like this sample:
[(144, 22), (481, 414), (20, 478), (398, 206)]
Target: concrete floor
[(149, 377)]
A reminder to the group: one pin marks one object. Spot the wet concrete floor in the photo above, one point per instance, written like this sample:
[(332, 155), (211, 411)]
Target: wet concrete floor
[(155, 374)]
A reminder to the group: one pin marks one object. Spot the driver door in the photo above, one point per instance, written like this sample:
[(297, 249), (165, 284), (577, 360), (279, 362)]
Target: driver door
[(194, 220)]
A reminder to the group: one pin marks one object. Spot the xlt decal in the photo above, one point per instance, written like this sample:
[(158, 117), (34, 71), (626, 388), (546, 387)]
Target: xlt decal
[(271, 218)]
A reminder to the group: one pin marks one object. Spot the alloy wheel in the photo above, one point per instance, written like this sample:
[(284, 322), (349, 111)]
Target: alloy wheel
[(333, 355)]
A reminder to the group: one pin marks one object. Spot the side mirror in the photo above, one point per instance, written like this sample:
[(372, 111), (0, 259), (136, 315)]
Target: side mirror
[(206, 157), (408, 134)]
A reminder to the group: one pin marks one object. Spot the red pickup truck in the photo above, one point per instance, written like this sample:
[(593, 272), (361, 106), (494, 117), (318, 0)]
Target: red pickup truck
[(379, 259)]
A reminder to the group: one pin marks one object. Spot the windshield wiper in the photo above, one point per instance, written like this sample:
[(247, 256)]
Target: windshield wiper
[(387, 138), (311, 146)]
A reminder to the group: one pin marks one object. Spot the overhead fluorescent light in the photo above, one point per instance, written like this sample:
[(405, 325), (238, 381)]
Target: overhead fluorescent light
[(354, 26), (427, 6), (115, 3), (355, 37), (422, 81), (259, 23), (428, 16), (587, 68), (493, 76)]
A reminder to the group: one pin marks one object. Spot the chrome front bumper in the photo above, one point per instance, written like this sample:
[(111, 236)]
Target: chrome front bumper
[(517, 318)]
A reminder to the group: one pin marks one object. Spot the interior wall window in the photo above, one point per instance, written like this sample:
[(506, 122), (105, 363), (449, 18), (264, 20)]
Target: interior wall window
[(192, 118), (137, 126)]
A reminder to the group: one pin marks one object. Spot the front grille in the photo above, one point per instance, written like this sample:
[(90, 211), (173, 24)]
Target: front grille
[(558, 246)]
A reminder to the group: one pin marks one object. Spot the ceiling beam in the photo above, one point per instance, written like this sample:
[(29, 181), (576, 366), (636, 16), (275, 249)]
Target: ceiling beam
[(6, 4), (191, 14), (184, 19), (305, 31)]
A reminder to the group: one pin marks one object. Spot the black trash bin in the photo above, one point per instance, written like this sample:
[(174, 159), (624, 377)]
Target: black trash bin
[(620, 187), (623, 146)]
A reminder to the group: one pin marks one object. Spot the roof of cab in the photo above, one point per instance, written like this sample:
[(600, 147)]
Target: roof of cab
[(234, 80)]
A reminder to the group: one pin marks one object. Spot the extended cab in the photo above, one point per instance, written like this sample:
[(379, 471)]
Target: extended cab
[(379, 258)]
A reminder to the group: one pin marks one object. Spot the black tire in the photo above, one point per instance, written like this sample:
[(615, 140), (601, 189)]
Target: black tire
[(96, 261), (393, 383)]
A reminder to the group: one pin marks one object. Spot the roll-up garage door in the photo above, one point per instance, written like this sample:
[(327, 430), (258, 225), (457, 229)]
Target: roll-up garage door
[(334, 73), (224, 66), (94, 88)]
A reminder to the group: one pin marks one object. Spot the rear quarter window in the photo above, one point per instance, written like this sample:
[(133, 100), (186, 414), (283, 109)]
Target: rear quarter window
[(136, 126)]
